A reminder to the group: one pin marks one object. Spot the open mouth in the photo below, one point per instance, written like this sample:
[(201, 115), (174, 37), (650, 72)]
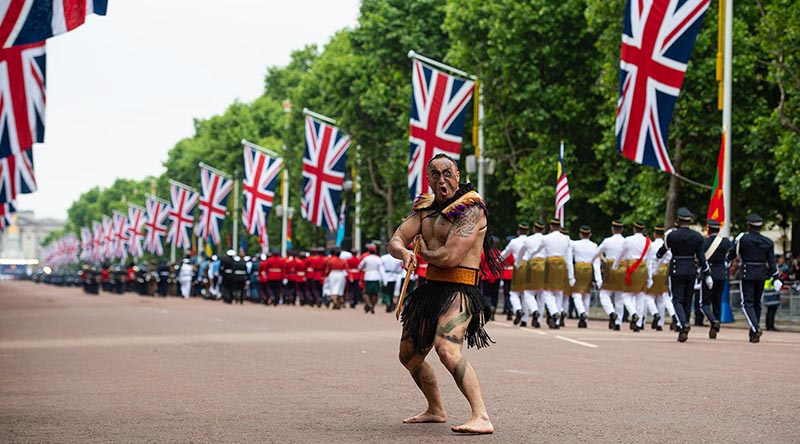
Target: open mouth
[(443, 190)]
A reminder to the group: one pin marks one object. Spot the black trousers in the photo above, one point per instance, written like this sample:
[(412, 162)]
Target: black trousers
[(355, 292), (751, 302), (275, 289), (711, 300), (682, 289)]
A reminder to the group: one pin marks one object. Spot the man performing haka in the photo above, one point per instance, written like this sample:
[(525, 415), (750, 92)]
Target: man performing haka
[(448, 307)]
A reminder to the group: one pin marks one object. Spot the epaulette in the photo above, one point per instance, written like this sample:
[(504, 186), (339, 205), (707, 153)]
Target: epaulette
[(457, 207)]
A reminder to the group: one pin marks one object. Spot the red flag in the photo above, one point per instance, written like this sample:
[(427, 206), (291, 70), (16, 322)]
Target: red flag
[(716, 207)]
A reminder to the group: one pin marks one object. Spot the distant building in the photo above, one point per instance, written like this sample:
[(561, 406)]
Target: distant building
[(21, 242)]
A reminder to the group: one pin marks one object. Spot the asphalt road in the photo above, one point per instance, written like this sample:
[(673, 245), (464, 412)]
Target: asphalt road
[(76, 368)]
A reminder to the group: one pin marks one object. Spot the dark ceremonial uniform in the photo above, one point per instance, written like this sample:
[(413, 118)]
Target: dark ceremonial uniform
[(711, 300), (226, 270), (757, 253), (239, 279), (687, 254), (163, 278), (423, 307)]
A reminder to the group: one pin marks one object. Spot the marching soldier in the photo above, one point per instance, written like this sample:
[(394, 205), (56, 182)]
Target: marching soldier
[(513, 249), (716, 250), (610, 248), (757, 253), (559, 266), (636, 254), (687, 253), (587, 265), (533, 275), (274, 274), (659, 289)]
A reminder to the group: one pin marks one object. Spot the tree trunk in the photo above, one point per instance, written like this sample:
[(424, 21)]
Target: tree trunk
[(674, 187)]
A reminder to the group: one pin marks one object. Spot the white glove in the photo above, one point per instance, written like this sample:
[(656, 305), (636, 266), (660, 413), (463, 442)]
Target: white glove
[(285, 281), (649, 282), (709, 282), (599, 284), (572, 282), (777, 284)]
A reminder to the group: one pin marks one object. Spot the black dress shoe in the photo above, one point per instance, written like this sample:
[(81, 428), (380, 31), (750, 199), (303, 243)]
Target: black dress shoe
[(523, 324), (535, 320), (659, 328), (551, 322), (756, 337), (582, 321), (635, 322), (712, 332), (509, 316), (616, 327), (683, 335), (517, 317), (612, 319), (656, 318)]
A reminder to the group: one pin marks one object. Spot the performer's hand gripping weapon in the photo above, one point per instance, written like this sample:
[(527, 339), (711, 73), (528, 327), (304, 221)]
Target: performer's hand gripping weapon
[(409, 272)]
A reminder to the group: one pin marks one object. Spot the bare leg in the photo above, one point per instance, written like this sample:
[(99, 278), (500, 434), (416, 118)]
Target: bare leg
[(449, 339), (425, 379)]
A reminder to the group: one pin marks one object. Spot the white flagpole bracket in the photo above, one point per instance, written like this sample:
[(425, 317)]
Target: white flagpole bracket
[(216, 171), (260, 148), (422, 58), (308, 112), (183, 185)]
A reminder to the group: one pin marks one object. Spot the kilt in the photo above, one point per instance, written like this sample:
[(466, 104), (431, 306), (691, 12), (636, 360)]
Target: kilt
[(583, 277), (613, 280), (638, 277), (660, 285), (518, 278), (536, 274), (556, 274)]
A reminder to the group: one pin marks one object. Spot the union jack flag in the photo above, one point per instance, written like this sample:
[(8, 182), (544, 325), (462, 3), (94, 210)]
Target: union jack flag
[(6, 210), (87, 243), (121, 237), (214, 191), (135, 224), (323, 173), (181, 214), (657, 40), (16, 175), (258, 186), (29, 21), (22, 97), (109, 236), (98, 241), (155, 225), (438, 111)]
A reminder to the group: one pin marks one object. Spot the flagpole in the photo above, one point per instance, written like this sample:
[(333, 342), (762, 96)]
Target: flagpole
[(285, 212), (236, 209), (480, 157), (725, 230)]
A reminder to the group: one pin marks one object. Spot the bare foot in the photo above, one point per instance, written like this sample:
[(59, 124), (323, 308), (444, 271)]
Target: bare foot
[(427, 416), (477, 426)]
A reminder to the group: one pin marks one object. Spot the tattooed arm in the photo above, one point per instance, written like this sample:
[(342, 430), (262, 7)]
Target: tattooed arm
[(463, 242)]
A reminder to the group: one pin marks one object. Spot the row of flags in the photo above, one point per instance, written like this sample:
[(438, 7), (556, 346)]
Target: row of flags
[(25, 25), (658, 37), (121, 235)]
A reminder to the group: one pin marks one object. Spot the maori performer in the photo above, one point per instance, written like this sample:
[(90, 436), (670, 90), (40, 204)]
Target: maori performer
[(448, 308)]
